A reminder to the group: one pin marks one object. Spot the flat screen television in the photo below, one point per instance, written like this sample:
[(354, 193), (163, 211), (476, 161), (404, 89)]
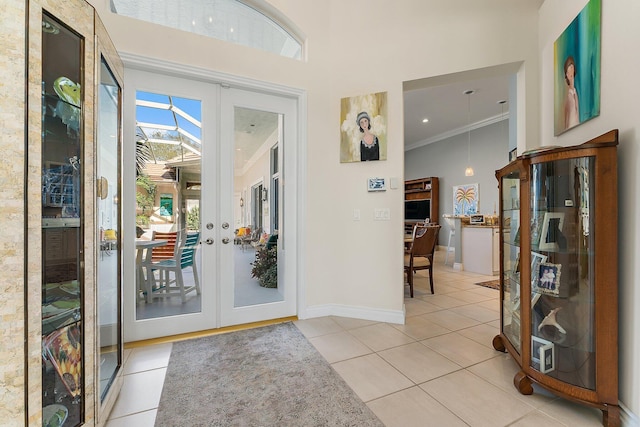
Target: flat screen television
[(416, 210)]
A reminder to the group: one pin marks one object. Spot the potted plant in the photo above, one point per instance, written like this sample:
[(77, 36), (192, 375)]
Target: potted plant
[(265, 267)]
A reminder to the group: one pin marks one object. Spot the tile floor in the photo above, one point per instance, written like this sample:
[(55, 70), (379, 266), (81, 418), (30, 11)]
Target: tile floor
[(439, 369)]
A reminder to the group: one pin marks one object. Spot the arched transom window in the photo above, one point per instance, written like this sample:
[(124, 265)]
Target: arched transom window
[(229, 20)]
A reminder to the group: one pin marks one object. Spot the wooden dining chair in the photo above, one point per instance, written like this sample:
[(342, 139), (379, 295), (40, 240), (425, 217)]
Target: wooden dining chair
[(420, 254)]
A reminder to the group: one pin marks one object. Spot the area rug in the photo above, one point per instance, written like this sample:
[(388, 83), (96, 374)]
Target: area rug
[(269, 376), (493, 284)]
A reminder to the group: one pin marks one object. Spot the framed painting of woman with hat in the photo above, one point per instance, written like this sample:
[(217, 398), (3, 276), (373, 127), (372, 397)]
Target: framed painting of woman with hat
[(363, 128)]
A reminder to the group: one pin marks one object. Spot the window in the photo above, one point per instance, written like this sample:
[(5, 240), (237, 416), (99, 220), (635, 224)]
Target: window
[(275, 190), (228, 20)]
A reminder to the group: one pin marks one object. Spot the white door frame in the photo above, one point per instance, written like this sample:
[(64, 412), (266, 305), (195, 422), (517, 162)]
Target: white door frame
[(297, 179)]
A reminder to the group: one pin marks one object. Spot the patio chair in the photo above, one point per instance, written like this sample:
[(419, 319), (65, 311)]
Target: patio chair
[(250, 238), (184, 257), (167, 251)]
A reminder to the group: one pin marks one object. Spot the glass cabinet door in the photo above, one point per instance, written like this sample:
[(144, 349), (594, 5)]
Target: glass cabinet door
[(62, 224), (108, 223), (510, 194), (562, 270)]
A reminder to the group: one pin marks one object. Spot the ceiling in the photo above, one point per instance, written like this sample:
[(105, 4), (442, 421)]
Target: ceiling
[(251, 129), (447, 107)]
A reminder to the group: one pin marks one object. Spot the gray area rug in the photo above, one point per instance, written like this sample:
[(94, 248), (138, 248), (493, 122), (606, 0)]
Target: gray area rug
[(268, 376)]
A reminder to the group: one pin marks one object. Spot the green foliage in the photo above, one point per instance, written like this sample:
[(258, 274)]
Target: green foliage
[(142, 220), (143, 155), (265, 267), (193, 218), (145, 198), (270, 277)]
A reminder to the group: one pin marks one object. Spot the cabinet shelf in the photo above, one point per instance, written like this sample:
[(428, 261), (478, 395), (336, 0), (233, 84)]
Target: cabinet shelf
[(564, 334)]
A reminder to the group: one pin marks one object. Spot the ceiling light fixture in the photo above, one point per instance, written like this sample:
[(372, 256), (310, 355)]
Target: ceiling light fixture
[(425, 120), (469, 170)]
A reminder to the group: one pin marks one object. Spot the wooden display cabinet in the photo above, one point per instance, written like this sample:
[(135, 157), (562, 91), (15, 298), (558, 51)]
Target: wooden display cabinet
[(558, 269)]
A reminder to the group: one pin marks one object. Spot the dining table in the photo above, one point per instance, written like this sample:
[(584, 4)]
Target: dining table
[(144, 249), (408, 240)]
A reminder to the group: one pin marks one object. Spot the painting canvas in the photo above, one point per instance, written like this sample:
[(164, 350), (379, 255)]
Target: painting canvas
[(576, 65), (363, 128), (465, 199)]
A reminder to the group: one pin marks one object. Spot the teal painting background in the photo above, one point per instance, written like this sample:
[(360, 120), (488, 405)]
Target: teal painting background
[(582, 40)]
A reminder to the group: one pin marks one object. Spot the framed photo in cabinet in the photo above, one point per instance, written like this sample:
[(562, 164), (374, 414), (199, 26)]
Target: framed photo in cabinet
[(551, 234), (543, 352), (548, 279), (536, 260)]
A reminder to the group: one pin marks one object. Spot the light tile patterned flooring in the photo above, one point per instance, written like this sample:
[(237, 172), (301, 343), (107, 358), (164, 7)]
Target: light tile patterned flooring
[(439, 369)]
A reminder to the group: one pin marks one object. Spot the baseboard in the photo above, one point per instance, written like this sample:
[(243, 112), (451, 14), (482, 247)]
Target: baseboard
[(107, 332), (355, 312), (628, 418)]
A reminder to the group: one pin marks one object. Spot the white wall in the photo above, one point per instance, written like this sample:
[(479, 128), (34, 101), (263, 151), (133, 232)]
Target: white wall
[(447, 159), (353, 264), (618, 110)]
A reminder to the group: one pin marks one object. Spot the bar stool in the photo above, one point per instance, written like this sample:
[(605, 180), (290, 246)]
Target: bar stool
[(452, 232)]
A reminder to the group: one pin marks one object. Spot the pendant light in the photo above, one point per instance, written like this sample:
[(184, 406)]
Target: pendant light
[(469, 170)]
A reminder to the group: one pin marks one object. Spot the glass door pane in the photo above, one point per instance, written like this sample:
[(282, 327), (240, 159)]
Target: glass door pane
[(108, 222), (169, 182), (255, 256), (62, 223), (562, 279), (511, 309)]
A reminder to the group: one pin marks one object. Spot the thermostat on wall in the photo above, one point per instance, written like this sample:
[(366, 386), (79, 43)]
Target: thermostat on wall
[(376, 184)]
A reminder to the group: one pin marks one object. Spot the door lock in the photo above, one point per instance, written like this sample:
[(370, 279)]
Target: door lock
[(209, 241)]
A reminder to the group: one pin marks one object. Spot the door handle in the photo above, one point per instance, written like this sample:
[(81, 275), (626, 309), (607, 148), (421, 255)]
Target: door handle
[(225, 240), (209, 241)]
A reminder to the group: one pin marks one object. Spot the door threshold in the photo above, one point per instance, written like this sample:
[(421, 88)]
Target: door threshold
[(207, 332)]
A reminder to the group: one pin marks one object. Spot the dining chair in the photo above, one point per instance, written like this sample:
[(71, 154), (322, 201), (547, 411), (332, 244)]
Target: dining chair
[(451, 223), (184, 257), (420, 254)]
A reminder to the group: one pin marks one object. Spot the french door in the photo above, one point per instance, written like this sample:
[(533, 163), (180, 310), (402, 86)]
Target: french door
[(206, 147), (258, 133)]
